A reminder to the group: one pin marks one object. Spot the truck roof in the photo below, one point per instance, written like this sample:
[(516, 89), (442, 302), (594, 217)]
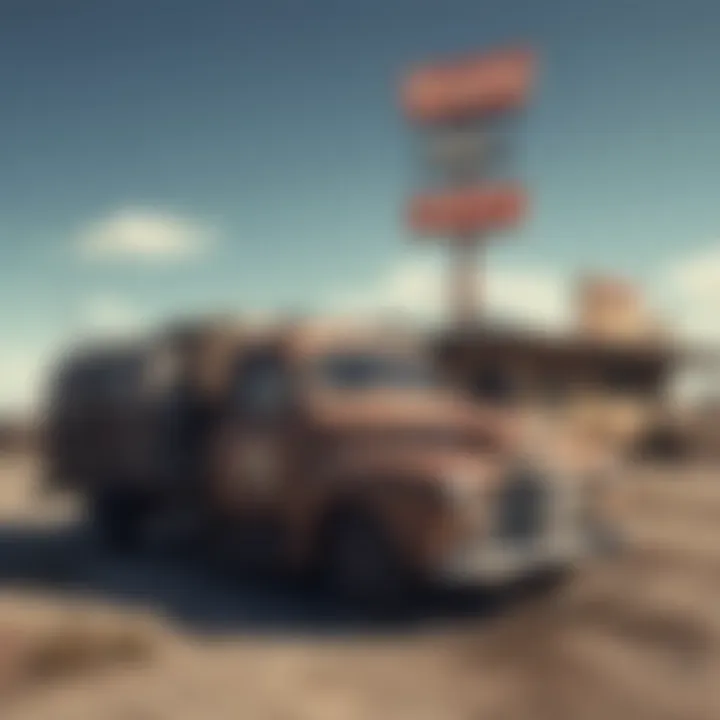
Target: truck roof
[(205, 348), (321, 336)]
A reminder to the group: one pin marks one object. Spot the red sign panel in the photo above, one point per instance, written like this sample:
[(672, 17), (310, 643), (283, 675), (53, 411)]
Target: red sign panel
[(493, 82), (468, 211)]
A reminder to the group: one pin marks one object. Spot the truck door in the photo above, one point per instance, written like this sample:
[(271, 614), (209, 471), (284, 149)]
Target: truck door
[(256, 444)]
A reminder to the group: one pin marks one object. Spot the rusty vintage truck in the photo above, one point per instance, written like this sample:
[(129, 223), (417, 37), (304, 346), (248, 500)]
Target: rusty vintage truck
[(326, 449)]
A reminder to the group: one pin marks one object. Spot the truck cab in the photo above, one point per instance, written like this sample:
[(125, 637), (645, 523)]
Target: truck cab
[(348, 452)]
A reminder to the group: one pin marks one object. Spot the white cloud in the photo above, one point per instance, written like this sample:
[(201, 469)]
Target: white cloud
[(532, 296), (413, 288), (690, 286), (24, 366), (693, 286), (698, 276), (145, 234), (109, 313), (418, 288), (22, 375)]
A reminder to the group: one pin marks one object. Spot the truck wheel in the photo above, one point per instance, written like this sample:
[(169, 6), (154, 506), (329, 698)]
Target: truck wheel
[(119, 519), (362, 567), (548, 583)]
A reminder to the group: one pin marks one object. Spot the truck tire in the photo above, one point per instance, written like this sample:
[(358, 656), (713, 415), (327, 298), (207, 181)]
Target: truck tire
[(362, 568), (119, 519)]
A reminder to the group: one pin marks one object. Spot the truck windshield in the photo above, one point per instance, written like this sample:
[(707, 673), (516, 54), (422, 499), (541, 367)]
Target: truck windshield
[(367, 371)]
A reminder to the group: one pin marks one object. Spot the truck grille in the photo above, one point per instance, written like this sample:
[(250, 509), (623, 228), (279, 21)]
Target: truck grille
[(521, 509)]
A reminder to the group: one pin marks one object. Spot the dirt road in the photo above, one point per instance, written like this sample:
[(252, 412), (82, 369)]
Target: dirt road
[(638, 637)]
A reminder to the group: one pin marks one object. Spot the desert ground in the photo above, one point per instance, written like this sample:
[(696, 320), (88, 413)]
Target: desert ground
[(83, 636)]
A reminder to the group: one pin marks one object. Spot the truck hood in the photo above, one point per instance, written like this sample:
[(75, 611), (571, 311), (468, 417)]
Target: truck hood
[(420, 420), (446, 435)]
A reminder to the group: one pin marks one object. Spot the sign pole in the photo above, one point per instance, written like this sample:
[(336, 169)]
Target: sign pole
[(463, 280), (463, 100)]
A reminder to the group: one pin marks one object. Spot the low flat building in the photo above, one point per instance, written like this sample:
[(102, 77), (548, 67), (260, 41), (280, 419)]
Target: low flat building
[(613, 367)]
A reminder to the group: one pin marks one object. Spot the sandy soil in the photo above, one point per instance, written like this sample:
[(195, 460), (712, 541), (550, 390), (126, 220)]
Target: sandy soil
[(82, 636)]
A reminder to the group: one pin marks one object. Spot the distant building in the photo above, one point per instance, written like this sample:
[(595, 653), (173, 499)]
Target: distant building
[(612, 367), (613, 310)]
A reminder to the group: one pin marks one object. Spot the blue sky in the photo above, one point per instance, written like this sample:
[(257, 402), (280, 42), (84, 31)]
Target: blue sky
[(257, 148)]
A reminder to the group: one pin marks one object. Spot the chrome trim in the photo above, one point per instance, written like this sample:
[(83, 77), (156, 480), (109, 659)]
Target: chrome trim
[(563, 537)]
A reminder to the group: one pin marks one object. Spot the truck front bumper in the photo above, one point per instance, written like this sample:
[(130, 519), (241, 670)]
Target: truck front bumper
[(492, 561)]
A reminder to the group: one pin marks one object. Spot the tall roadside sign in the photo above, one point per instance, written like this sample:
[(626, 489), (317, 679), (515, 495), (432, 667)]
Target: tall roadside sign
[(462, 111)]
